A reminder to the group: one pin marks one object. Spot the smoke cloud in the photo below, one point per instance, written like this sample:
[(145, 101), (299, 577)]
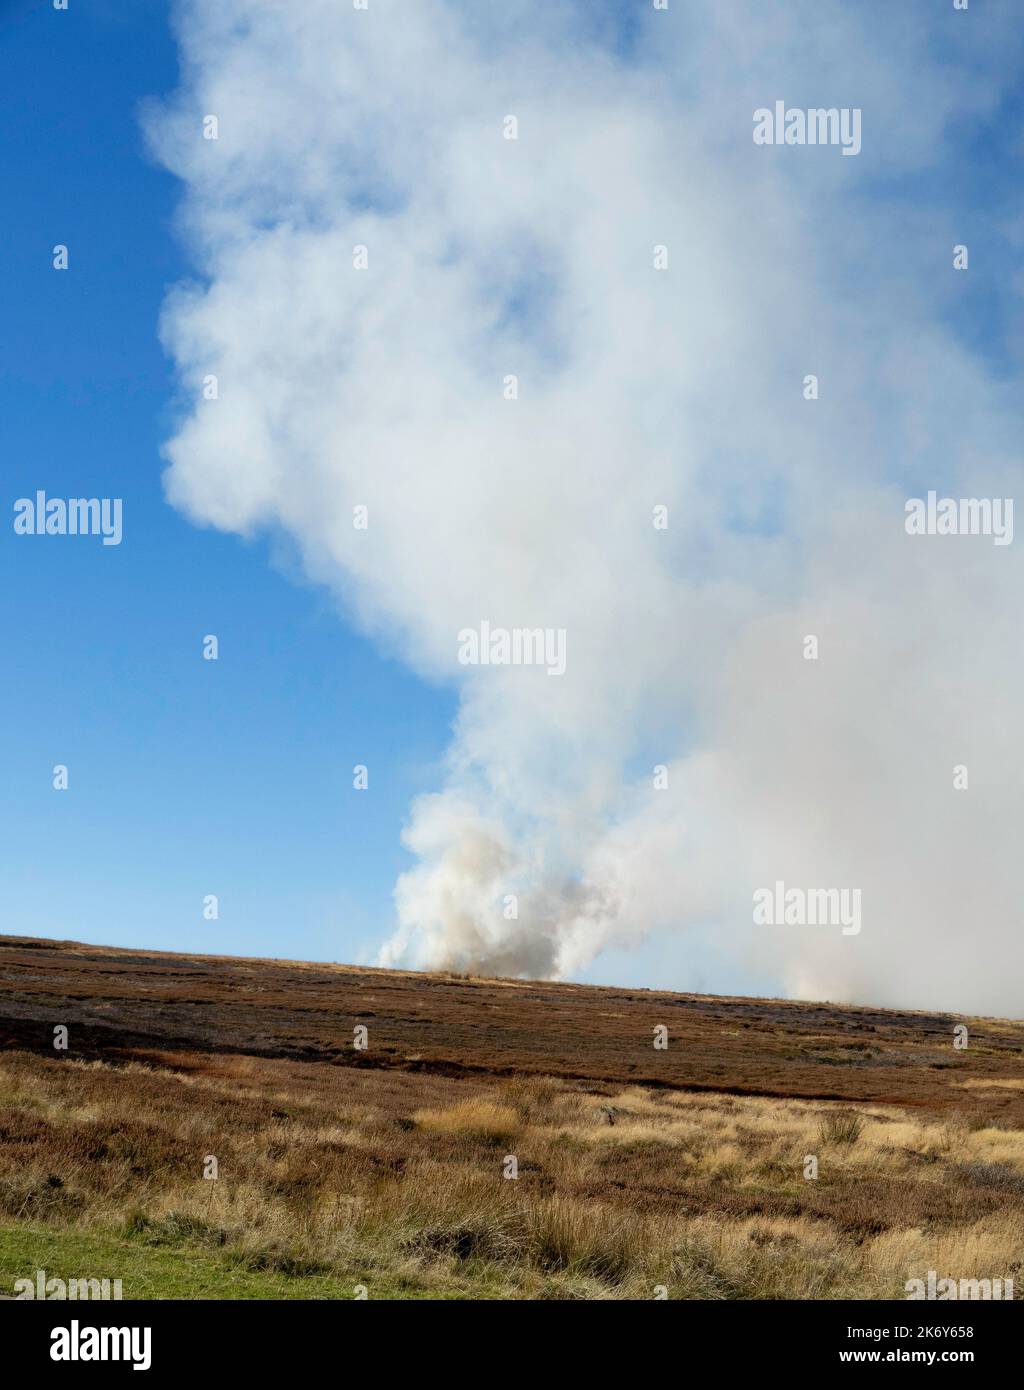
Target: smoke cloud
[(533, 505)]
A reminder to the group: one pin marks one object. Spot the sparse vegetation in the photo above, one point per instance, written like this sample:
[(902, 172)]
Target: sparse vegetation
[(393, 1176)]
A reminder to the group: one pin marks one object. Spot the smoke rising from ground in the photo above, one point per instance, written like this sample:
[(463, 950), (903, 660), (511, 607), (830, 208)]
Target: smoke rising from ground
[(637, 388)]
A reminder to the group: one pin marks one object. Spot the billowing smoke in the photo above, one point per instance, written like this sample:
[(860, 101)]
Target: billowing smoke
[(524, 356)]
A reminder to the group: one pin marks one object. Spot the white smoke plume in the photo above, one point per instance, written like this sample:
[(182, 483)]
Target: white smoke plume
[(637, 388)]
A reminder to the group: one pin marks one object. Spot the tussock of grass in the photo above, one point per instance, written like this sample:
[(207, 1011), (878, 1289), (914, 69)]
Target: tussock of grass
[(841, 1127), (175, 1228), (473, 1119), (565, 1236)]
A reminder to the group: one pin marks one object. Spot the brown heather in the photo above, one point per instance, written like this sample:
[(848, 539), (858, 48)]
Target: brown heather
[(637, 1168)]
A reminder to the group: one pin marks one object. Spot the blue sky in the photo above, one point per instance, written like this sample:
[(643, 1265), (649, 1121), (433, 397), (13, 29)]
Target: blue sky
[(234, 777), (187, 777)]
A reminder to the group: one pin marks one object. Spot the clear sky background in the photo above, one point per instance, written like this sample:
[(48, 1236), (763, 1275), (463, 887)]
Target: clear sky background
[(190, 777), (187, 777)]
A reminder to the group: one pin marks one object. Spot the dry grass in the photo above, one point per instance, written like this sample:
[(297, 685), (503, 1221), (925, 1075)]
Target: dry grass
[(473, 1119), (324, 1170), (391, 1165)]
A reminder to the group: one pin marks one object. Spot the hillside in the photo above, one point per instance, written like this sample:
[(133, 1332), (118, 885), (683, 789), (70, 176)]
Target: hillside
[(387, 1166)]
